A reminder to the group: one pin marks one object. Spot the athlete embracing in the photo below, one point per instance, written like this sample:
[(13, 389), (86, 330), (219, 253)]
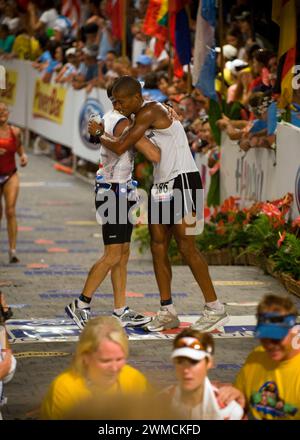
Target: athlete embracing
[(115, 191), (175, 173)]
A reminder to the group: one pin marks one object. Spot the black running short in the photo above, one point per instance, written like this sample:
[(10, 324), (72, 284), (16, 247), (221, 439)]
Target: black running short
[(112, 206), (170, 202)]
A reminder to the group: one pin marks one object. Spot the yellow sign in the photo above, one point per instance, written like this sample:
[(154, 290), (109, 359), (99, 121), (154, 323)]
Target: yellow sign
[(49, 101), (9, 94)]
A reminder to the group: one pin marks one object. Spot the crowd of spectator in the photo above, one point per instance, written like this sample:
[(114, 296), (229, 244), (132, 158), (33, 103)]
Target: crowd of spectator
[(85, 55)]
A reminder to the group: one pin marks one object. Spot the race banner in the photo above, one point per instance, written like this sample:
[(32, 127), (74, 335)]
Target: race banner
[(8, 95), (48, 101)]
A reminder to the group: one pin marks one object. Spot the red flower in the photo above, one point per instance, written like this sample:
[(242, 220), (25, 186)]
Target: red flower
[(230, 204), (281, 238), (220, 228), (271, 210), (296, 223)]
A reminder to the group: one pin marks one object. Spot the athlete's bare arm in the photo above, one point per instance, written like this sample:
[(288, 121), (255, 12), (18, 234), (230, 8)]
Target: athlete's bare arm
[(144, 145), (152, 115)]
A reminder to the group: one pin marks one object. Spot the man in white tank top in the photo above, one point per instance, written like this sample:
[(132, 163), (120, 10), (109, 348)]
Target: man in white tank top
[(176, 171), (113, 182)]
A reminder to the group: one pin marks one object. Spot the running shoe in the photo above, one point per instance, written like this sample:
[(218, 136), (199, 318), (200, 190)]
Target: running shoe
[(13, 258), (210, 319), (78, 315), (131, 318), (164, 320)]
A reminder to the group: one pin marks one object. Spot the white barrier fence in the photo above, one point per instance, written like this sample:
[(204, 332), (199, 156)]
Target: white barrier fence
[(262, 174), (56, 112), (60, 114)]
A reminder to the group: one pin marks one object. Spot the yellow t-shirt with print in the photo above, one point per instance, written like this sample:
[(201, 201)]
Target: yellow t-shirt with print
[(26, 47), (272, 389), (70, 389)]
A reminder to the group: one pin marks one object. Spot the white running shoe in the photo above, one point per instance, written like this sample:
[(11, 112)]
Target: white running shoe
[(210, 319), (164, 320), (78, 315), (131, 318)]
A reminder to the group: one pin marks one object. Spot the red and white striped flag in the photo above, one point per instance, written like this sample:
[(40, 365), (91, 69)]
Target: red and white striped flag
[(71, 10)]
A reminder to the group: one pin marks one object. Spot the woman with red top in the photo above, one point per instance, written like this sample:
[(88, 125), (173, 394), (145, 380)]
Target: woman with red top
[(10, 144)]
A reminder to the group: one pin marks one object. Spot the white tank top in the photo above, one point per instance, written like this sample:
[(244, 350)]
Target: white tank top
[(117, 169), (176, 157)]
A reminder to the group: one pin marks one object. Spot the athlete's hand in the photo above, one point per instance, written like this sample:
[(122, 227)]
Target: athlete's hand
[(2, 151), (95, 129), (23, 160)]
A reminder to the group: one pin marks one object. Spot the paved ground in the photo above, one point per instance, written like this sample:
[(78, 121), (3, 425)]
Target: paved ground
[(58, 242)]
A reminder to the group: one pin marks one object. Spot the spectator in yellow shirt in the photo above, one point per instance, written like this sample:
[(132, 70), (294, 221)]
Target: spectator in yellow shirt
[(98, 369), (270, 378)]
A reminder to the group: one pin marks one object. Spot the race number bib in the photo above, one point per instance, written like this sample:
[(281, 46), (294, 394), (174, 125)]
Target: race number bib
[(162, 192)]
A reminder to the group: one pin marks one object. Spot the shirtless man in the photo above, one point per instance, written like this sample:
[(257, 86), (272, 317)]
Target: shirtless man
[(115, 174), (175, 171)]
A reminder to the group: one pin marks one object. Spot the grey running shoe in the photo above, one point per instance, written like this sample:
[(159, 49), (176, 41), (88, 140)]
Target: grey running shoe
[(79, 316), (163, 320), (209, 320), (131, 318)]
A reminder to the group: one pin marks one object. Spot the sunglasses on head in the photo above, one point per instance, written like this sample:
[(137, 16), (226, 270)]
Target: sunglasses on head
[(191, 342), (274, 318)]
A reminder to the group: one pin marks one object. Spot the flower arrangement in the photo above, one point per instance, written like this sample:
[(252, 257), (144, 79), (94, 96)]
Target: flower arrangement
[(262, 234)]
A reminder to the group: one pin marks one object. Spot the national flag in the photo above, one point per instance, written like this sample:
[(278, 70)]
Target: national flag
[(284, 14), (204, 70), (156, 23), (180, 34), (71, 10), (115, 10)]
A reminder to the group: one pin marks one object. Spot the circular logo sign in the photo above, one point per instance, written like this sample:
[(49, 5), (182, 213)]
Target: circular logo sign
[(90, 106), (297, 189)]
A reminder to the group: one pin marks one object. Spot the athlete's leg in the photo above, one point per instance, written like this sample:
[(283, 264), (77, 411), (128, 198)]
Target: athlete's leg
[(160, 236), (10, 192), (79, 309), (112, 256), (193, 258), (214, 314), (119, 277)]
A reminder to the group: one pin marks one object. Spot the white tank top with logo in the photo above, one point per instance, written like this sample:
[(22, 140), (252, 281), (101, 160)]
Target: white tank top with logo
[(116, 169), (176, 157)]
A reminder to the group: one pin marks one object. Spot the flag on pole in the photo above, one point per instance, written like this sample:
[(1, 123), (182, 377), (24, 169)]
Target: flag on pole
[(71, 10), (204, 70), (156, 23), (114, 9), (284, 14), (180, 34)]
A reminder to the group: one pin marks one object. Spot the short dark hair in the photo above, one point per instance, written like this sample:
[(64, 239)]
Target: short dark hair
[(275, 303), (128, 85)]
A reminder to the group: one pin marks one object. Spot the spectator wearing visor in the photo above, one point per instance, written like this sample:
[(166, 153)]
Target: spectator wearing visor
[(270, 378), (195, 397)]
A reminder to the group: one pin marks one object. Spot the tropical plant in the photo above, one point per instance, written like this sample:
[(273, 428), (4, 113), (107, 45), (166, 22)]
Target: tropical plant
[(287, 257)]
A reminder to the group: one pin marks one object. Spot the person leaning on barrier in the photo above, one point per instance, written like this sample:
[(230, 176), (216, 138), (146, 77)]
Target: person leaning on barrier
[(98, 370), (270, 378)]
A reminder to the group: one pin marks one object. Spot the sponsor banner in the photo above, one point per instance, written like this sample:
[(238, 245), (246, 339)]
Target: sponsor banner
[(50, 109), (62, 330), (84, 105), (15, 93), (288, 164), (9, 94), (49, 101), (262, 174), (201, 160), (250, 176)]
